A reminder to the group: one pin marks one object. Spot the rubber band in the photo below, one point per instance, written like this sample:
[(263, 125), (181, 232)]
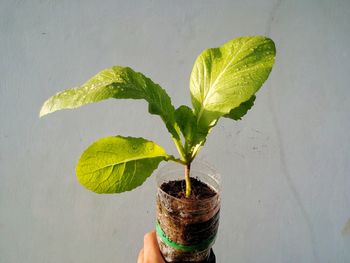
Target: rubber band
[(188, 248)]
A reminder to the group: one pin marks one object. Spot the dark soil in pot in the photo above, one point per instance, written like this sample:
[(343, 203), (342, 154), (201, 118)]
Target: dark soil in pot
[(187, 227)]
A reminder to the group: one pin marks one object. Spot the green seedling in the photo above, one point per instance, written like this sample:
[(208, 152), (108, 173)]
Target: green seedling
[(223, 83)]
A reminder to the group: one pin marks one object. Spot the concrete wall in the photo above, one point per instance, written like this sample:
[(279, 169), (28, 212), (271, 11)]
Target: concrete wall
[(285, 167)]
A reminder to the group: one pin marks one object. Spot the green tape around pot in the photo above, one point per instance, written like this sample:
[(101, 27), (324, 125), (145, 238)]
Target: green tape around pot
[(198, 247)]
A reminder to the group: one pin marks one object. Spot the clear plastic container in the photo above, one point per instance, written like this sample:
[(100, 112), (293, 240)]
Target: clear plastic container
[(186, 229)]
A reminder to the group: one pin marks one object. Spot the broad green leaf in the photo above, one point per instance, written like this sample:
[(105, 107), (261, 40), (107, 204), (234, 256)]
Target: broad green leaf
[(118, 164), (222, 78), (241, 110), (119, 83)]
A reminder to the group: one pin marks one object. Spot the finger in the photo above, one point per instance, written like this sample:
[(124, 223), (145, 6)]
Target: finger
[(151, 248), (140, 257)]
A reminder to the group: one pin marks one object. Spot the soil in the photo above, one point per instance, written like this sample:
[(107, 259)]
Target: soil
[(199, 190), (188, 221)]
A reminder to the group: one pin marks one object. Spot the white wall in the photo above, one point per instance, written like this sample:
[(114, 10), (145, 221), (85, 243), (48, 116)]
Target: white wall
[(285, 167)]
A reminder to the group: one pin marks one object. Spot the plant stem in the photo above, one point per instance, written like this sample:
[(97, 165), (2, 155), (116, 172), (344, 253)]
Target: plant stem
[(188, 179), (187, 163), (179, 148)]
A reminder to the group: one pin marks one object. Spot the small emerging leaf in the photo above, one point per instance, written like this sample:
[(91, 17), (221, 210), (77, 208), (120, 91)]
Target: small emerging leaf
[(118, 83), (186, 121), (118, 164)]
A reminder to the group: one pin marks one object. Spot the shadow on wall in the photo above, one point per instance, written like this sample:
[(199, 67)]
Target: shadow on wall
[(346, 228)]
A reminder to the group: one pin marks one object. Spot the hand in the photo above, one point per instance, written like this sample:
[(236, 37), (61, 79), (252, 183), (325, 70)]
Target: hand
[(150, 252)]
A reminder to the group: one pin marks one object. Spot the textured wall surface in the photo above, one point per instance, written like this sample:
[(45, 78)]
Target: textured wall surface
[(285, 168)]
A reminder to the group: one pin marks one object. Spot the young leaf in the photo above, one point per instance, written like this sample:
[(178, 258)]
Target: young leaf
[(119, 83), (118, 164), (222, 78), (237, 113), (187, 122)]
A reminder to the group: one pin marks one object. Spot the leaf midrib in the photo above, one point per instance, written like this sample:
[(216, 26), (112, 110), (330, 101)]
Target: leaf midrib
[(126, 161)]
